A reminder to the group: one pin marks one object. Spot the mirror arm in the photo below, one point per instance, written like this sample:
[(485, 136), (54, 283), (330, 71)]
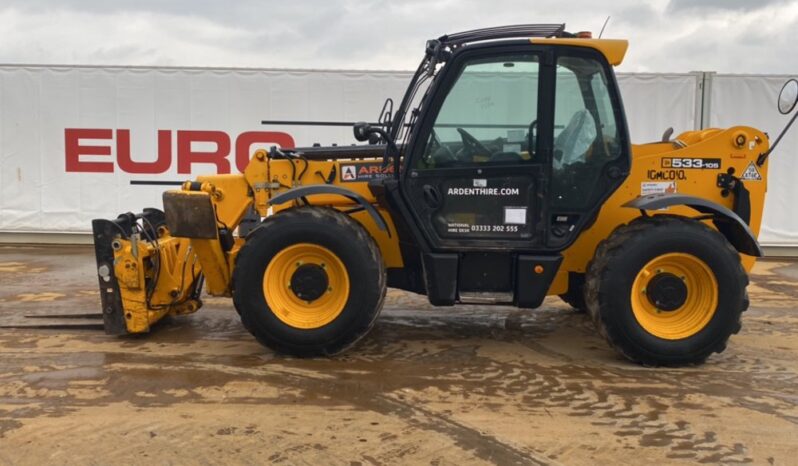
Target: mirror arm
[(364, 131), (391, 150), (764, 156)]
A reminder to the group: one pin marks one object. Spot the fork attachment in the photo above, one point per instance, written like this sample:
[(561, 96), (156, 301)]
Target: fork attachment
[(144, 273)]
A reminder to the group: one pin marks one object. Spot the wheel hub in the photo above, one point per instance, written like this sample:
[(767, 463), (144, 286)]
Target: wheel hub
[(309, 282), (306, 286), (667, 292)]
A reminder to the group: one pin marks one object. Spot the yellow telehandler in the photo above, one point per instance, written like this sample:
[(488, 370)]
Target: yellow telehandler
[(505, 175)]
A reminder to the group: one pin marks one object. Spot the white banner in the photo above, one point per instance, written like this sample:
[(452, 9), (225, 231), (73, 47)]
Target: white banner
[(153, 124), (656, 102), (72, 138), (751, 100)]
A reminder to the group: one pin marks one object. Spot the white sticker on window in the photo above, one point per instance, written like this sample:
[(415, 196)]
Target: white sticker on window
[(515, 215), (480, 183)]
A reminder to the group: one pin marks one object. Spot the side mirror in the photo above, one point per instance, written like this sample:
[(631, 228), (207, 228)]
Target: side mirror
[(362, 131), (788, 97), (375, 138), (365, 132)]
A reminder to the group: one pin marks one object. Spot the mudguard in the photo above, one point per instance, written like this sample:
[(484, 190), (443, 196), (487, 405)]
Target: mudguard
[(302, 191), (725, 220)]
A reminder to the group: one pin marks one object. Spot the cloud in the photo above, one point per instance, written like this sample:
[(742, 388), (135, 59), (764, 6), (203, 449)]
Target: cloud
[(721, 5), (665, 35)]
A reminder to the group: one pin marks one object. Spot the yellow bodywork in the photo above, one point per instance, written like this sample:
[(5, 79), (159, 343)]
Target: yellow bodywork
[(737, 147), (613, 49), (178, 267), (233, 195)]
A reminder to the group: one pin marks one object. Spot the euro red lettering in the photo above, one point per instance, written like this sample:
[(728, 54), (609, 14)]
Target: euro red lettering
[(74, 150), (186, 156), (127, 164), (216, 151), (245, 141)]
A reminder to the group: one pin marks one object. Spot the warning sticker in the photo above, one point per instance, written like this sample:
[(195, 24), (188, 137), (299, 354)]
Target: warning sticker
[(657, 187), (751, 173)]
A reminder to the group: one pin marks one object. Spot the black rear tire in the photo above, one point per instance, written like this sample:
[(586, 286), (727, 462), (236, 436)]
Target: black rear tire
[(627, 252), (337, 233)]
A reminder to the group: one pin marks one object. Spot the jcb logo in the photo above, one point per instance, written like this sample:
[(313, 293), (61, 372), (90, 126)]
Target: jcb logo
[(701, 164)]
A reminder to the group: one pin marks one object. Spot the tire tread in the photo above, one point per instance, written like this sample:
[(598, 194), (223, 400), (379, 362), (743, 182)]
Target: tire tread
[(359, 235)]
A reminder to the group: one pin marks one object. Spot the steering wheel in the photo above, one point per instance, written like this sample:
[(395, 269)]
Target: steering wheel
[(471, 145), (437, 152)]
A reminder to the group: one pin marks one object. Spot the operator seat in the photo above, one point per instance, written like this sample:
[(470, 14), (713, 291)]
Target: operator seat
[(571, 145)]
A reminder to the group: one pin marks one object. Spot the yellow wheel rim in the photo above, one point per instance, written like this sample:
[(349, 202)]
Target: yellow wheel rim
[(695, 302), (284, 294)]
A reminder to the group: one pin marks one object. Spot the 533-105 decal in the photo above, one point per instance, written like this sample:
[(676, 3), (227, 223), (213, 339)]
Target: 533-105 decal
[(701, 164)]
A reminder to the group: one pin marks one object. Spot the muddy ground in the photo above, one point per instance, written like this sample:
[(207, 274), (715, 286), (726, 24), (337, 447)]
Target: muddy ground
[(468, 385)]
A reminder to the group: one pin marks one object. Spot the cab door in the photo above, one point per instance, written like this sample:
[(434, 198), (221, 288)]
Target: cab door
[(477, 161)]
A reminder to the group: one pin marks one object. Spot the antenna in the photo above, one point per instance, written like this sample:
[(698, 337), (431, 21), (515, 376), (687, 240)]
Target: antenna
[(602, 27)]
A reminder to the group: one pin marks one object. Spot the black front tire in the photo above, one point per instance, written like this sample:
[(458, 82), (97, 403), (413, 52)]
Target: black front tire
[(347, 240)]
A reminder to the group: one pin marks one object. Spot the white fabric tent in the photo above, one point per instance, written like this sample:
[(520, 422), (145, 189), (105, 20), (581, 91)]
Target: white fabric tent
[(751, 100), (38, 104)]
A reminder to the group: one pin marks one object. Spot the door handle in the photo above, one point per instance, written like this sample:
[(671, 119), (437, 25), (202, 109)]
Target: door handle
[(431, 196)]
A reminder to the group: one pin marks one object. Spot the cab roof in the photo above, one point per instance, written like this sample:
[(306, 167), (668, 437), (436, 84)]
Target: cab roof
[(542, 34)]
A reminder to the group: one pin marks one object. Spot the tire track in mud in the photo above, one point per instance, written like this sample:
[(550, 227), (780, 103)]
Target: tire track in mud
[(484, 446), (540, 387), (346, 392), (631, 403), (578, 390), (639, 413)]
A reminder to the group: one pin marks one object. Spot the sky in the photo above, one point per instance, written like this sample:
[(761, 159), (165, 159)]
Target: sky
[(728, 36)]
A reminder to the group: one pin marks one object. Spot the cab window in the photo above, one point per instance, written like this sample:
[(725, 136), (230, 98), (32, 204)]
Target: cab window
[(489, 115), (586, 135)]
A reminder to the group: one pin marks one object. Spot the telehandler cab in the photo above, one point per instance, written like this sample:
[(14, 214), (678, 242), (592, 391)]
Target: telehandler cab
[(505, 175)]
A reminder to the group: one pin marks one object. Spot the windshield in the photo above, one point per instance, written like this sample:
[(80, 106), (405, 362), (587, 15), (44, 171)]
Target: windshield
[(489, 114)]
